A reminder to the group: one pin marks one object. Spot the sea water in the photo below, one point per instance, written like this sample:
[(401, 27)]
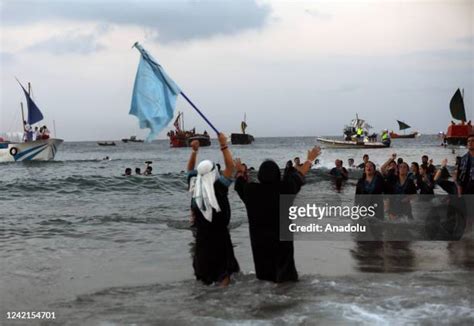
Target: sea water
[(79, 239)]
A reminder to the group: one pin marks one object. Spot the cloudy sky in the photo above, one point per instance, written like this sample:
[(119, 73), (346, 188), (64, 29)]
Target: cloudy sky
[(296, 68)]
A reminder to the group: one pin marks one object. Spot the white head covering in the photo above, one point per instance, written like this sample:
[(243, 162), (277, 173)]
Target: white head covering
[(203, 189)]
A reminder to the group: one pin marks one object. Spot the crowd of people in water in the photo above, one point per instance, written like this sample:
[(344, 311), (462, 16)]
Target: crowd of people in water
[(147, 171), (214, 261)]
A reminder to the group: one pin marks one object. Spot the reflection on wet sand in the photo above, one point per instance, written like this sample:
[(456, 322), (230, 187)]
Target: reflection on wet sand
[(383, 256), (461, 254)]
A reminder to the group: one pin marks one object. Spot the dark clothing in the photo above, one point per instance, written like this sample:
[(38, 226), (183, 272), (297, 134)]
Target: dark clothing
[(466, 174), (338, 173), (429, 168), (370, 193), (444, 183), (361, 165), (214, 255), (273, 259), (400, 205)]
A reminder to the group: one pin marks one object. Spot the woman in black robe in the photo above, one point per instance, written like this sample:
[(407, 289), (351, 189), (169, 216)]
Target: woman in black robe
[(369, 189), (273, 259), (214, 259)]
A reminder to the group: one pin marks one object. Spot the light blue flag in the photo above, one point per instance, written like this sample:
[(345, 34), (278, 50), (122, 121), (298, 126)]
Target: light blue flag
[(154, 95)]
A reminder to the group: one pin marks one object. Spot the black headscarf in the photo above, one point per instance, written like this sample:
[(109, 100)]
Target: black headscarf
[(269, 173)]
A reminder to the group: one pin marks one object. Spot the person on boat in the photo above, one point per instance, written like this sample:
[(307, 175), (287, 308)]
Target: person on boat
[(428, 164), (369, 189), (297, 162), (339, 173), (28, 132), (138, 171), (213, 260), (128, 172), (36, 134), (465, 177), (273, 259), (45, 133), (386, 138), (365, 159), (359, 132)]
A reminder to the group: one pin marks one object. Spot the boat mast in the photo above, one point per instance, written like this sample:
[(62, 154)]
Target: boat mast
[(23, 117)]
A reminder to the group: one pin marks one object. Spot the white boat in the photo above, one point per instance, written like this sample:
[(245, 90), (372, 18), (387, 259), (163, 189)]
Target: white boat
[(38, 150), (332, 143), (44, 149)]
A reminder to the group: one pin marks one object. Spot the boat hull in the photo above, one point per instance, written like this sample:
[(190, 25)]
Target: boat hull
[(184, 141), (38, 150), (457, 134), (241, 139), (394, 135), (350, 144)]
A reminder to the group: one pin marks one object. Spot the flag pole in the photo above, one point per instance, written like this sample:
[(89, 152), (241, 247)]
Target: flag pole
[(200, 113)]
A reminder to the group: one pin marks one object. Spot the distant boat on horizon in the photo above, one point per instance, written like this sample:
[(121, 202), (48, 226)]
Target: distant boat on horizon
[(458, 133), (242, 138), (403, 126)]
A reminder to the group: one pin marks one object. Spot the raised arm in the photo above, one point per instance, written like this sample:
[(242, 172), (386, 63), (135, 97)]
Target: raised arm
[(444, 163), (383, 168), (312, 155), (229, 163), (192, 158)]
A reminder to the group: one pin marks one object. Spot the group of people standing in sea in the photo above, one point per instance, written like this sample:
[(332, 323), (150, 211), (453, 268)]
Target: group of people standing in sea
[(214, 260)]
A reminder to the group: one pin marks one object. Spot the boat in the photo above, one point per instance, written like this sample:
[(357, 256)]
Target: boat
[(243, 138), (106, 143), (351, 143), (44, 149), (458, 133), (403, 126), (132, 139), (352, 140), (183, 138)]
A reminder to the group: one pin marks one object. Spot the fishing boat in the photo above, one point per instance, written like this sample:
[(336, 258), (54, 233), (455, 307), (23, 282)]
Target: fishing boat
[(355, 139), (132, 139), (403, 126), (44, 149), (243, 138), (458, 133), (106, 143), (183, 138)]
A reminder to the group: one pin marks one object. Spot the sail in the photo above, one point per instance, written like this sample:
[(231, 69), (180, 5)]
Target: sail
[(34, 113), (457, 106), (402, 125), (243, 126), (176, 122)]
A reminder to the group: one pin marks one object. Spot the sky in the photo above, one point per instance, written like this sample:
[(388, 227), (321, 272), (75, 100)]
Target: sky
[(295, 68)]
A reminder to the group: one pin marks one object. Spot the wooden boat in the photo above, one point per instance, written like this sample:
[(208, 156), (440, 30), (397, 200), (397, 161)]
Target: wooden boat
[(106, 143), (332, 143), (458, 133), (243, 138), (132, 139), (403, 126), (183, 138)]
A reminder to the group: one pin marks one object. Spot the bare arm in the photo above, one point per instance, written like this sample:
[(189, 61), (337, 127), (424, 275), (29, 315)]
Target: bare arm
[(229, 162), (192, 158), (383, 168), (312, 155), (444, 162)]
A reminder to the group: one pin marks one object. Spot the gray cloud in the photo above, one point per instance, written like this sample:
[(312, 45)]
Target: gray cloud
[(169, 20), (69, 42)]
